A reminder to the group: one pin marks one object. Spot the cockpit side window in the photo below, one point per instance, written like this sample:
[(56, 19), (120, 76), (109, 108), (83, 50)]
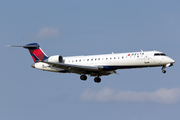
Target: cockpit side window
[(159, 54)]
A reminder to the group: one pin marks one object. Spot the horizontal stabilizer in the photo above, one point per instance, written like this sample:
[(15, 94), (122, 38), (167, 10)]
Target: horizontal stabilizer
[(26, 46), (35, 51)]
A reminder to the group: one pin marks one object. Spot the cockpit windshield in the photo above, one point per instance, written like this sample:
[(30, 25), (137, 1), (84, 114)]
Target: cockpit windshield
[(159, 54)]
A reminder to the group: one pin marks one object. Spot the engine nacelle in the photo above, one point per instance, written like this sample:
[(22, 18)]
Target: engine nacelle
[(55, 58)]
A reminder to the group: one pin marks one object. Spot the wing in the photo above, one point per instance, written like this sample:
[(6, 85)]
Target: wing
[(79, 69), (72, 67)]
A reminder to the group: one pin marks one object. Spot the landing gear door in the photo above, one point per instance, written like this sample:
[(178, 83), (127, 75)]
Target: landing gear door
[(146, 58)]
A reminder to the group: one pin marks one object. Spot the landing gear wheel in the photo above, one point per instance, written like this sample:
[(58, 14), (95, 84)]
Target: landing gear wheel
[(164, 71), (83, 77), (97, 79)]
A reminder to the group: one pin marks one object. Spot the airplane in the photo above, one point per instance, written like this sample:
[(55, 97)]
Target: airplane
[(96, 65)]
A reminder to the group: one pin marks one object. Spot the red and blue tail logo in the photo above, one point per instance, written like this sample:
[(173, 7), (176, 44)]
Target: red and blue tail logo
[(36, 52)]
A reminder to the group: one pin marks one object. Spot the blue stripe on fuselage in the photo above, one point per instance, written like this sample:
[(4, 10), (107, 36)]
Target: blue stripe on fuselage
[(127, 67)]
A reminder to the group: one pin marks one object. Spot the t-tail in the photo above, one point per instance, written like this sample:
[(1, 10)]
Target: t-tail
[(35, 51)]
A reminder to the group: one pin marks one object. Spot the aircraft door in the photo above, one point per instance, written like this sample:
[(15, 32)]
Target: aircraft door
[(146, 58)]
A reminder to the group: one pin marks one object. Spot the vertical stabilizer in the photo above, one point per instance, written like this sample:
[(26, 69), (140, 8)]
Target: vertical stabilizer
[(36, 52)]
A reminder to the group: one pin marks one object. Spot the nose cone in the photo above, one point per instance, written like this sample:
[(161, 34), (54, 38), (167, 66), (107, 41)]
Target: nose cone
[(170, 60), (33, 65)]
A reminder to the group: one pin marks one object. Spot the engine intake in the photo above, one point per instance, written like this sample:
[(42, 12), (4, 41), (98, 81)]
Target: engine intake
[(55, 58)]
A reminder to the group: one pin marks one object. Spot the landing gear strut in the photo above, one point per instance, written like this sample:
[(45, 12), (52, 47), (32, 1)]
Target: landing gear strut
[(97, 79), (83, 77)]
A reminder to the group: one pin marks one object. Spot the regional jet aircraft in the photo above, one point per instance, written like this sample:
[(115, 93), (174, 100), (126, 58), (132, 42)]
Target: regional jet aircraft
[(97, 65)]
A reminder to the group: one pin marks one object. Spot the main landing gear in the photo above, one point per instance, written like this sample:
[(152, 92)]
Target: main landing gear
[(96, 79), (83, 77)]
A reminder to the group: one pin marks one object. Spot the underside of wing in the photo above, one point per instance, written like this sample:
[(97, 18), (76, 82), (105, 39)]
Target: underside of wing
[(71, 66), (79, 69)]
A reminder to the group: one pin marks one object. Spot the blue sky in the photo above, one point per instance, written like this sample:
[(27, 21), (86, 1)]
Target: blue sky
[(91, 27)]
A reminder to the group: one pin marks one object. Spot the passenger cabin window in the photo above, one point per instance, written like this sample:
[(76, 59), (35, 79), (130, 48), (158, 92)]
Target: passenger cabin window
[(159, 54)]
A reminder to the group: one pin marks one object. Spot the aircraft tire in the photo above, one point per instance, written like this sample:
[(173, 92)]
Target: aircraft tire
[(83, 77), (97, 79), (164, 71)]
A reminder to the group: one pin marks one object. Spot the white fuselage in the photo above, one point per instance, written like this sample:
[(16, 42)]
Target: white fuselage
[(96, 65), (113, 61)]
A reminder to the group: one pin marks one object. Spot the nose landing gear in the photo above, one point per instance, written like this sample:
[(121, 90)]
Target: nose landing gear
[(163, 69)]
